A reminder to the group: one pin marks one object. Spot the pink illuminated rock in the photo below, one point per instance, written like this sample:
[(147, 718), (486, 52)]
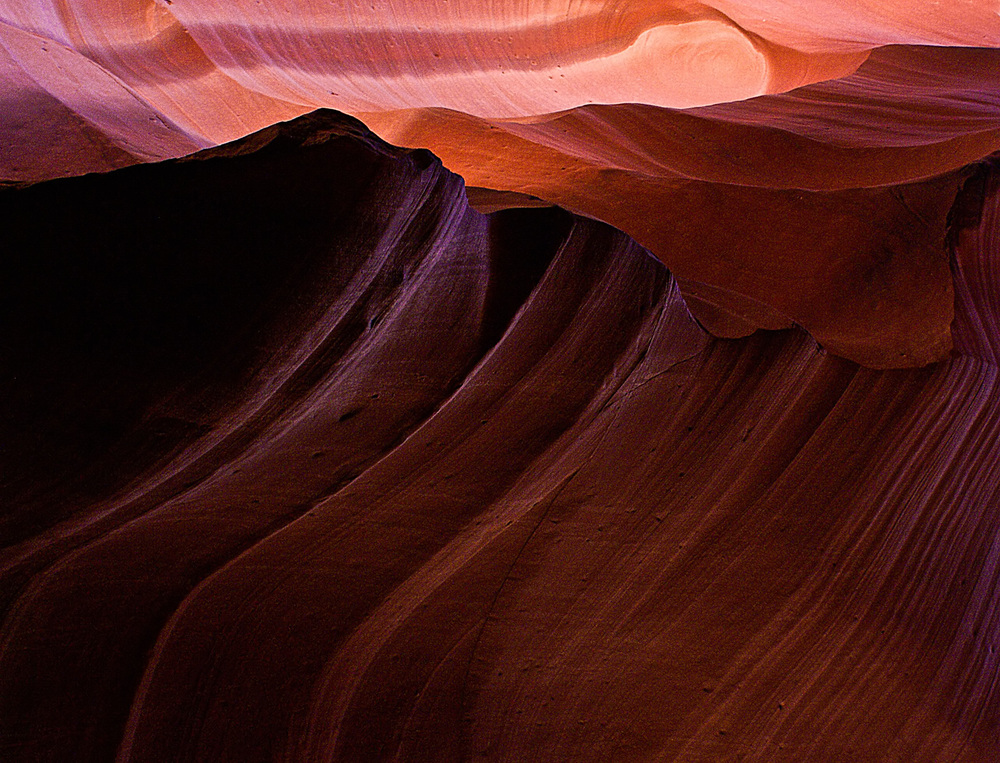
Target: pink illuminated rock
[(211, 70)]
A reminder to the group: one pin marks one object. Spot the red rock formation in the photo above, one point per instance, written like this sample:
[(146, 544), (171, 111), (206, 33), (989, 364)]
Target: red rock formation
[(305, 460)]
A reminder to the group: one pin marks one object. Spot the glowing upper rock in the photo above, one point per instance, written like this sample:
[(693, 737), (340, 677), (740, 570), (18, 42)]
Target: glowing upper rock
[(159, 79)]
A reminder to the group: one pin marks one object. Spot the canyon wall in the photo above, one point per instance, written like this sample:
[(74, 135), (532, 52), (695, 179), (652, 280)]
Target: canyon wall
[(449, 380)]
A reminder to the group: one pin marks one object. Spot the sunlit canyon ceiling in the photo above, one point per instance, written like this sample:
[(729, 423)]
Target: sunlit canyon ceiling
[(509, 380)]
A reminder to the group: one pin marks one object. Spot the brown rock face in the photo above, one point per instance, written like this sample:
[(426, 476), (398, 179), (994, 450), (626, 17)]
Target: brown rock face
[(305, 460)]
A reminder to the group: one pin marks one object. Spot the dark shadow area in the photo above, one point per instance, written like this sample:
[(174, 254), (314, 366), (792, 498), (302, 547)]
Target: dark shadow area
[(118, 292)]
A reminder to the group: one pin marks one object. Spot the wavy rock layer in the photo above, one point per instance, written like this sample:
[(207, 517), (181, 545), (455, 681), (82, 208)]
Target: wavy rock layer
[(863, 269), (432, 485)]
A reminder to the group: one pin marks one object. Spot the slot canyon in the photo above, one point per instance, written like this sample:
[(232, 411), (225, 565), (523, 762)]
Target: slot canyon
[(499, 380)]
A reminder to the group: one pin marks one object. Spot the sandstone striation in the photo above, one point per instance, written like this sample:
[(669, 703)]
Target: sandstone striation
[(306, 460)]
